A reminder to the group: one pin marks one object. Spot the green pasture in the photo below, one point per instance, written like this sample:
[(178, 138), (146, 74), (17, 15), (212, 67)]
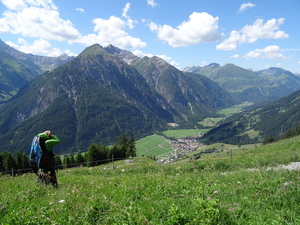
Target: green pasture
[(233, 109), (249, 190), (184, 133), (210, 121), (152, 145)]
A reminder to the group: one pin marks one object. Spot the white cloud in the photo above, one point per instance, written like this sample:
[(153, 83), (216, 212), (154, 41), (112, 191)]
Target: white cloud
[(298, 61), (130, 22), (111, 31), (152, 3), (14, 5), (245, 6), (125, 10), (234, 56), (36, 19), (80, 10), (251, 33), (175, 64), (39, 47), (201, 27), (272, 52), (141, 54)]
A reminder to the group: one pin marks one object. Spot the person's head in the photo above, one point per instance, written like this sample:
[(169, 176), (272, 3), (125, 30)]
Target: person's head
[(49, 133)]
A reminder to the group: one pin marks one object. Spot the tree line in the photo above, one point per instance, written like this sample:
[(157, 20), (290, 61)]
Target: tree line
[(288, 134), (97, 154)]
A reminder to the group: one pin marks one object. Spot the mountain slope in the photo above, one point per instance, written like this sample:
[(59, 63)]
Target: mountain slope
[(193, 95), (13, 75), (289, 80), (271, 120), (93, 98), (251, 86), (38, 63)]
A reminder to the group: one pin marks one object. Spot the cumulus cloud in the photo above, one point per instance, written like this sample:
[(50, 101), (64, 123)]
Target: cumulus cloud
[(201, 27), (125, 10), (80, 10), (38, 47), (234, 56), (111, 31), (130, 22), (245, 6), (251, 33), (36, 19), (141, 54), (152, 3), (271, 52)]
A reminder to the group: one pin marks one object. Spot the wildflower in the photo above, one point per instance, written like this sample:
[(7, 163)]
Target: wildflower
[(61, 201), (51, 203), (215, 192), (208, 198), (231, 209), (123, 170)]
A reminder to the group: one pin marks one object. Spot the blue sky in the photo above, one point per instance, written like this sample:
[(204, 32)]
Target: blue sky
[(250, 34)]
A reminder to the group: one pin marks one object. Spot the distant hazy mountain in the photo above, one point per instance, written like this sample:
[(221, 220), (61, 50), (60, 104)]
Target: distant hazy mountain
[(247, 85), (278, 75)]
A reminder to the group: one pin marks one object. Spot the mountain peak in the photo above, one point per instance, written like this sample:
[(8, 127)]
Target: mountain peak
[(95, 49)]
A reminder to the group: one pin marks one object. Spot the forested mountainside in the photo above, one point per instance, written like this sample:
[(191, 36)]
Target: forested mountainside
[(271, 120)]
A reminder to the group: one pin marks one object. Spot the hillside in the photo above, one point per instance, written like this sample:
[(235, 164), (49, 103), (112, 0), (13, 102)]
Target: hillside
[(13, 75), (253, 188), (269, 120), (37, 63), (17, 69), (196, 96)]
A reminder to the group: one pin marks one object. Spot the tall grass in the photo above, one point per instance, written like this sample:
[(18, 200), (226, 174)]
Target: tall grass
[(141, 191)]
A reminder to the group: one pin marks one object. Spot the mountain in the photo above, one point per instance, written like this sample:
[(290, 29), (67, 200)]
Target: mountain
[(38, 63), (18, 69), (255, 125), (247, 85), (91, 99), (124, 55), (278, 75), (13, 75), (97, 96), (194, 96)]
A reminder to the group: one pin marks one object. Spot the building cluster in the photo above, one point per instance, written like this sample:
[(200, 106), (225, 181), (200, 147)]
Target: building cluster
[(180, 147)]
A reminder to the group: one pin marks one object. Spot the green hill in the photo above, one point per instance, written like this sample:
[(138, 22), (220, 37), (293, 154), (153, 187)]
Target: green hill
[(250, 189)]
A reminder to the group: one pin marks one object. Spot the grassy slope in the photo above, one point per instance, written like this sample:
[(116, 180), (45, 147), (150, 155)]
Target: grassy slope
[(141, 191)]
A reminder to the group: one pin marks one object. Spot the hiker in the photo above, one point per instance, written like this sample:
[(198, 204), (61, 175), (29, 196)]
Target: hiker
[(47, 162)]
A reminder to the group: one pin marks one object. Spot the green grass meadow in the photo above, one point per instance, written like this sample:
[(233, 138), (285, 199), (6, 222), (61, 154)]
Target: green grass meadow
[(152, 145), (141, 191)]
